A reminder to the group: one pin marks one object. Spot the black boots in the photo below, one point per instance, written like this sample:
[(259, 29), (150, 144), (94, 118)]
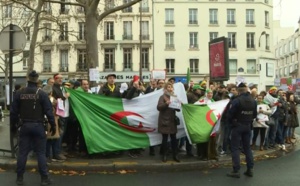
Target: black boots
[(46, 180), (19, 180), (249, 172), (175, 158), (234, 174)]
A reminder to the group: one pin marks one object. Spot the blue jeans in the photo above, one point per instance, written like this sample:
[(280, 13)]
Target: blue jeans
[(32, 134), (241, 133), (62, 122), (279, 133), (272, 132), (51, 146)]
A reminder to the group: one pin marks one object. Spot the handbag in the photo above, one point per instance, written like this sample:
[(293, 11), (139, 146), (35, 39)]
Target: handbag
[(177, 120), (271, 121)]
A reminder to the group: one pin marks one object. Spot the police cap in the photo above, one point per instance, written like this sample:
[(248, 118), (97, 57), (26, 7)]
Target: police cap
[(242, 85), (33, 74)]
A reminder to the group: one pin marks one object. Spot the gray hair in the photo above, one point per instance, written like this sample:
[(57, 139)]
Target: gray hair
[(47, 89)]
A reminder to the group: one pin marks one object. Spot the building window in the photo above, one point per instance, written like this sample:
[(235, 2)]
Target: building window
[(250, 40), (213, 35), (145, 59), (47, 33), (47, 8), (7, 11), (47, 61), (170, 65), (250, 17), (295, 43), (291, 45), (109, 4), (63, 32), (230, 16), (213, 16), (109, 59), (170, 40), (267, 42), (81, 61), (81, 35), (25, 59), (169, 19), (267, 22), (63, 61), (109, 31), (285, 71), (127, 30), (232, 66), (145, 30), (144, 7), (193, 16), (127, 59), (193, 39), (80, 10), (64, 9), (194, 65), (128, 9), (251, 66), (232, 40), (27, 32)]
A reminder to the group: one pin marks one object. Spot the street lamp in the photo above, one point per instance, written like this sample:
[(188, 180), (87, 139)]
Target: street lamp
[(263, 33)]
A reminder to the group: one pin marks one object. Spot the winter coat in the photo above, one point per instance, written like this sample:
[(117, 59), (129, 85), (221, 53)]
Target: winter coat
[(192, 97), (292, 120), (106, 91), (166, 118)]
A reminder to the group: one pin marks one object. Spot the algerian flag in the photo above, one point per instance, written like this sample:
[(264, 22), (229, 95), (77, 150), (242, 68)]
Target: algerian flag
[(111, 124), (201, 119)]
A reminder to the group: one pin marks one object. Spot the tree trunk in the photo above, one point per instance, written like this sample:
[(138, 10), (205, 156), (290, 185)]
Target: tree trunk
[(36, 25), (92, 39)]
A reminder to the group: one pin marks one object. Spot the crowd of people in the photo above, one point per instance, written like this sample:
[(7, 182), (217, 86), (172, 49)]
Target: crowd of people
[(276, 123)]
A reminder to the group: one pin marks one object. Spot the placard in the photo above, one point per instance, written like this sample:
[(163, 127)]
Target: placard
[(175, 103), (94, 74), (158, 74)]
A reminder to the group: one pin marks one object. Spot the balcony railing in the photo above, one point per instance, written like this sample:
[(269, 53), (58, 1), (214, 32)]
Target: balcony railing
[(127, 67), (64, 11), (230, 22), (213, 22), (193, 46), (109, 67), (127, 37), (127, 10), (46, 68), (193, 22), (63, 69), (144, 9), (194, 70), (109, 37), (250, 22), (47, 38), (170, 46), (169, 22), (145, 37), (81, 67)]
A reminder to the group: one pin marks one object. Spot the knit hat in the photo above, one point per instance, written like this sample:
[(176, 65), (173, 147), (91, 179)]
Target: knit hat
[(272, 89), (202, 83), (195, 87)]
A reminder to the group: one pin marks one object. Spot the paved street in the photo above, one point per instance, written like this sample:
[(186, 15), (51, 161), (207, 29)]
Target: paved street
[(275, 172)]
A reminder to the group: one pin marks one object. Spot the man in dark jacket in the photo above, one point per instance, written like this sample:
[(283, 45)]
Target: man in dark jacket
[(221, 89), (110, 88)]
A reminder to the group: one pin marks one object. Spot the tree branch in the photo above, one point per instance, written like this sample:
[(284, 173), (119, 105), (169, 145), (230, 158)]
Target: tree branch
[(21, 2), (110, 11), (65, 3)]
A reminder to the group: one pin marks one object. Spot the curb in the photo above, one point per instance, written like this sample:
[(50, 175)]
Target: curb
[(135, 166)]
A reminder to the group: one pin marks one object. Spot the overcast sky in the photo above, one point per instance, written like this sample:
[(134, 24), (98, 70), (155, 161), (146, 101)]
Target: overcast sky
[(288, 12)]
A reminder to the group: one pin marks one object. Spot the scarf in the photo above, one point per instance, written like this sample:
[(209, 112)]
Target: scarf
[(111, 88)]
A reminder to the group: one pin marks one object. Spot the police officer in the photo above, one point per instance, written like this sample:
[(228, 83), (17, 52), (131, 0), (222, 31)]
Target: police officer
[(240, 115), (29, 107)]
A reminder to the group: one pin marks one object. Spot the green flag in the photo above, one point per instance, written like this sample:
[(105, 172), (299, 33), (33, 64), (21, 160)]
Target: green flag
[(188, 76)]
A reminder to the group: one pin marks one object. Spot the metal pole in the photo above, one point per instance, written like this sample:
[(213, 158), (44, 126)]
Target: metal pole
[(11, 33), (141, 39)]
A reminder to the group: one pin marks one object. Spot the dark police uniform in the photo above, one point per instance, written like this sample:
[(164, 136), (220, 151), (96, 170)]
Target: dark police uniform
[(240, 115), (30, 105)]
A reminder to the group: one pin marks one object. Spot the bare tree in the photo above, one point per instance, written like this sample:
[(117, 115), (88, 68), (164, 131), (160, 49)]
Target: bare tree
[(93, 17)]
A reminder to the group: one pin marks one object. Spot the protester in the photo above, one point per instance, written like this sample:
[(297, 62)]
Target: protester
[(59, 92), (166, 122), (259, 125), (50, 81), (110, 88), (160, 84), (293, 121), (220, 92), (51, 140)]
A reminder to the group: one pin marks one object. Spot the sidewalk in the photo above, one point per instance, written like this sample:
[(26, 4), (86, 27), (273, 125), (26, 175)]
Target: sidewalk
[(144, 163), (123, 162)]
